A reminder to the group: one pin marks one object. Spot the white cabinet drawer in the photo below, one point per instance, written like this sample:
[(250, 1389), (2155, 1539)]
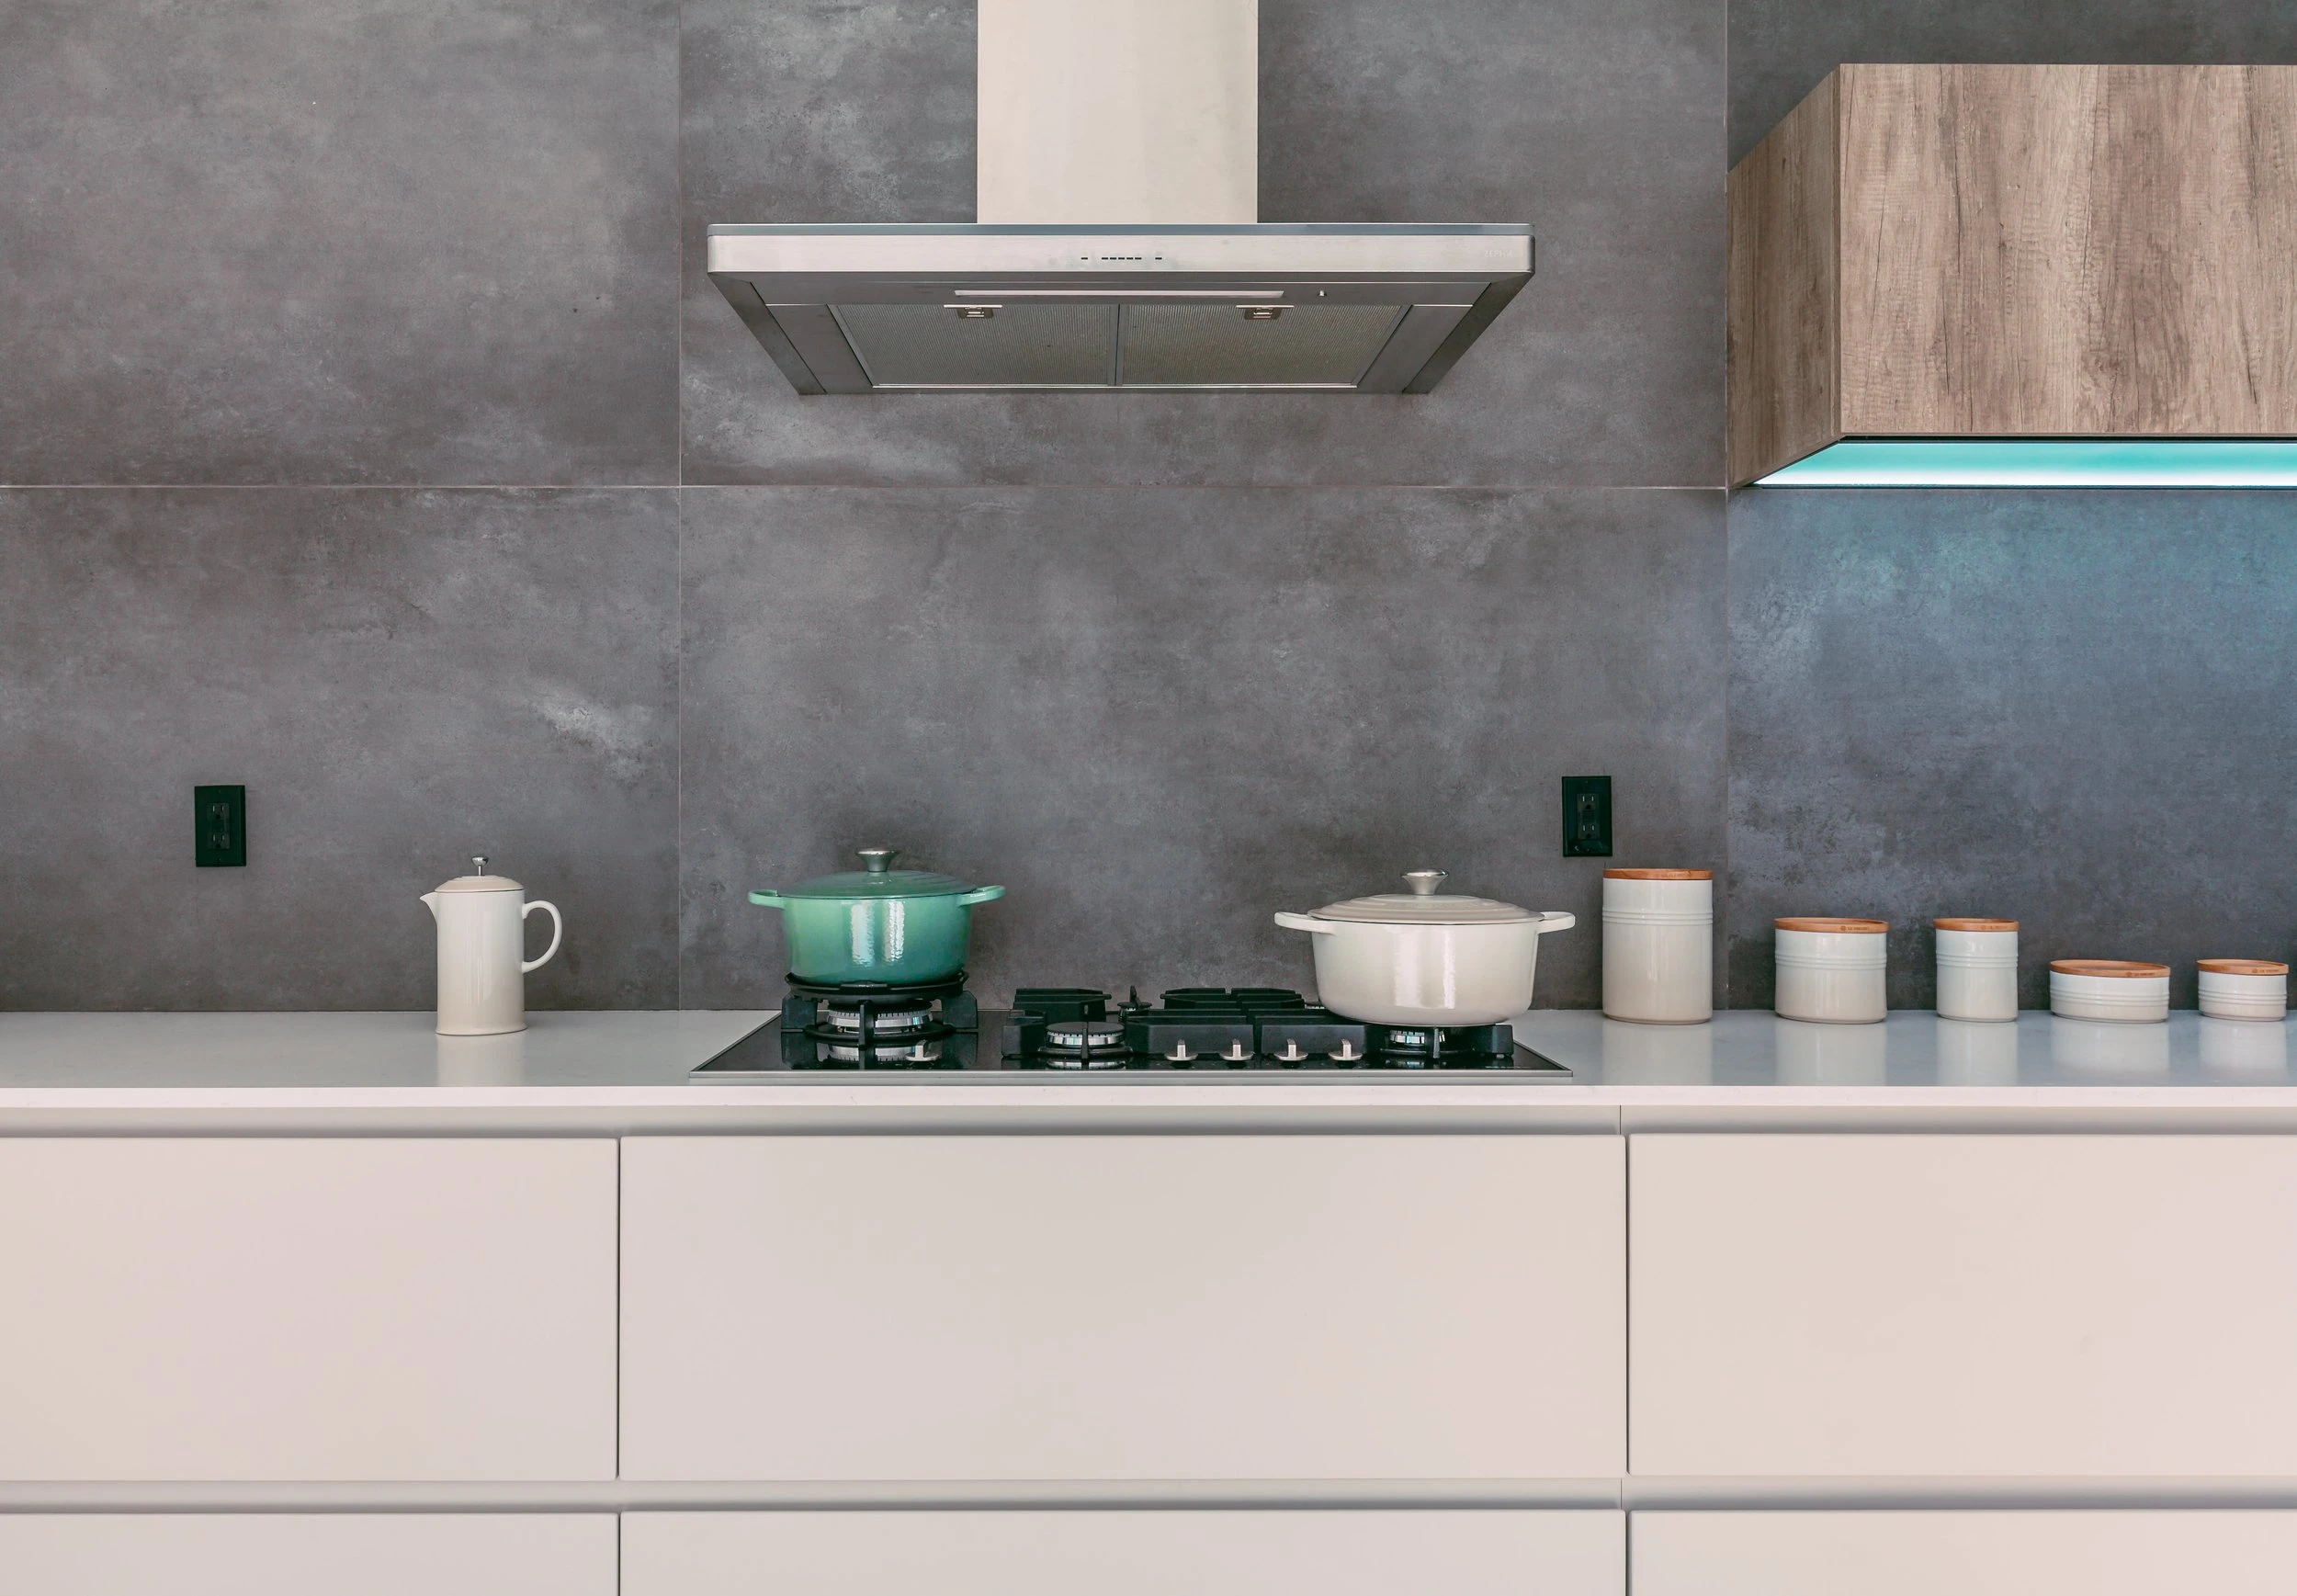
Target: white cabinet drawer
[(307, 1555), (1964, 1305), (306, 1310), (1964, 1554), (1432, 1553), (1103, 1308)]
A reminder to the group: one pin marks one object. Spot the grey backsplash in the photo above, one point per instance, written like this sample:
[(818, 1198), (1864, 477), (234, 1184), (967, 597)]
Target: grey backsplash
[(376, 441), (2070, 709)]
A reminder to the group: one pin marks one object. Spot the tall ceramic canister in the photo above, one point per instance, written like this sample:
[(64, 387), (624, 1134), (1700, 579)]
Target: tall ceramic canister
[(482, 960), (1831, 969), (1977, 968), (1659, 946)]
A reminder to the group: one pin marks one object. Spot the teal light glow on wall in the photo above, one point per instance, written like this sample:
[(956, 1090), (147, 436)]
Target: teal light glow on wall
[(2045, 463)]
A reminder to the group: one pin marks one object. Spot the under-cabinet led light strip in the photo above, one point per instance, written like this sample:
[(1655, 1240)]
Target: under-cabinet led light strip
[(2045, 463)]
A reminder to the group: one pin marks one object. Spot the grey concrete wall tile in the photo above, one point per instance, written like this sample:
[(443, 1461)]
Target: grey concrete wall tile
[(1601, 124), (1159, 715), (2071, 709), (1781, 49), (351, 241), (399, 678)]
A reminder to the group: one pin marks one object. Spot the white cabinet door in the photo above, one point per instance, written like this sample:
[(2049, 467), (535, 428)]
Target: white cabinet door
[(307, 1555), (1100, 1308), (1367, 1553), (1964, 1305), (1964, 1554), (306, 1309)]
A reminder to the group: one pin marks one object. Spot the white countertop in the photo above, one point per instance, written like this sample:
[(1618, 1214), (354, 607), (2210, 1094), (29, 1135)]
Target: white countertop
[(609, 1072)]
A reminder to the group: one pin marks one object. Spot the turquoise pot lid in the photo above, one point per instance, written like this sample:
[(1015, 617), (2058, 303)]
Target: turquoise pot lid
[(880, 879)]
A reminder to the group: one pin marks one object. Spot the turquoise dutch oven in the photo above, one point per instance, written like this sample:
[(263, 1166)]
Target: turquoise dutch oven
[(877, 923)]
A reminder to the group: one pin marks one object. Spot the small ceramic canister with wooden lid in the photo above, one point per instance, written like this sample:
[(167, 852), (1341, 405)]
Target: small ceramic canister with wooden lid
[(1977, 968), (1659, 946), (2244, 989), (2121, 990), (1831, 969)]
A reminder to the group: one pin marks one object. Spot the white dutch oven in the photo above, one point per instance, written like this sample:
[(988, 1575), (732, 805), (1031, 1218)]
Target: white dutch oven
[(1425, 958)]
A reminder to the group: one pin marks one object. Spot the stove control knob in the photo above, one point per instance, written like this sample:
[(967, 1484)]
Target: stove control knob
[(1236, 1053), (1293, 1053), (1345, 1052), (1180, 1054)]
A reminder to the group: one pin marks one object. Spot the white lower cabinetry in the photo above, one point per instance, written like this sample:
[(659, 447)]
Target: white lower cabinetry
[(1964, 1306), (290, 1308), (1123, 1307), (1145, 1553), (307, 1553), (2099, 1553)]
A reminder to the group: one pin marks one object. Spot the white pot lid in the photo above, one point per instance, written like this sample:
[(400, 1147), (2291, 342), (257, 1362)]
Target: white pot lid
[(1423, 905), (478, 880)]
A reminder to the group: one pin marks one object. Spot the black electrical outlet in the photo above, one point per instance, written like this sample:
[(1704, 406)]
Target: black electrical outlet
[(220, 822), (1587, 817)]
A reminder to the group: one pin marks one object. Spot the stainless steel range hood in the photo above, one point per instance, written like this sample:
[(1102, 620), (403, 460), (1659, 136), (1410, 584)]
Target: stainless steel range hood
[(1118, 250)]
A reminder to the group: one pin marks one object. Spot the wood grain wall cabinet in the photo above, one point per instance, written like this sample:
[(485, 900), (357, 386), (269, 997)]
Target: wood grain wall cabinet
[(2016, 252)]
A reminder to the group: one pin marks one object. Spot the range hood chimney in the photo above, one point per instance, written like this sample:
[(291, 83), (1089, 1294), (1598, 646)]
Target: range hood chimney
[(1118, 245)]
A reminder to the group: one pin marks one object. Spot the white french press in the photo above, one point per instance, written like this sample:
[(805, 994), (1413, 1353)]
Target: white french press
[(481, 951)]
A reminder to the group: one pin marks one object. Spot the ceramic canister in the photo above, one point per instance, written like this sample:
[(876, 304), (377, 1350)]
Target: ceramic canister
[(1977, 968), (1659, 945), (2114, 990), (1831, 969), (2244, 989)]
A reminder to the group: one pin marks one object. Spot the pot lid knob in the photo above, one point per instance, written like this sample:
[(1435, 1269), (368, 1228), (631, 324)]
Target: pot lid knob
[(877, 860), (1425, 882), (478, 864)]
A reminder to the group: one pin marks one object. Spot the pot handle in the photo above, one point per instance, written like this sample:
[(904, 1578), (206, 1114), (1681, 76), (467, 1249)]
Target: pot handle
[(769, 899), (1308, 922), (980, 895), (1557, 920)]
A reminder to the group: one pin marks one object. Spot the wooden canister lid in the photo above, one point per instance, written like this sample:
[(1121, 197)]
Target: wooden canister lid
[(2133, 969), (2244, 967), (1658, 875), (1828, 922), (1959, 924)]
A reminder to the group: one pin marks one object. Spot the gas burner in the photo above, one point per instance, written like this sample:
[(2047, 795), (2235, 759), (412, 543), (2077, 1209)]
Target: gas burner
[(854, 1018), (1440, 1047), (876, 1024), (1084, 1043)]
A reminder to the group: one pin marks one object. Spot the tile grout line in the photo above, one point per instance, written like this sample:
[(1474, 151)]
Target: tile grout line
[(677, 486), (678, 605)]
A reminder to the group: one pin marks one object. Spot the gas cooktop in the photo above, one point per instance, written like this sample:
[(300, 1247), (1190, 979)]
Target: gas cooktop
[(1074, 1033)]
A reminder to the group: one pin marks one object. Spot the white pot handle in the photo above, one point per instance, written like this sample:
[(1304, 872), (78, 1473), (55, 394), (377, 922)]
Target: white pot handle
[(558, 930), (1557, 920), (1308, 922)]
